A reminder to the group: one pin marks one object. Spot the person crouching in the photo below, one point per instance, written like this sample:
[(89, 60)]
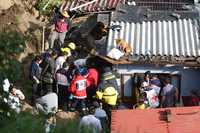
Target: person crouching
[(14, 98)]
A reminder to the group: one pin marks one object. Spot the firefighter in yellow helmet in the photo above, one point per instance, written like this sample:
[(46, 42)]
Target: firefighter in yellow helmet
[(72, 46), (108, 96), (109, 99)]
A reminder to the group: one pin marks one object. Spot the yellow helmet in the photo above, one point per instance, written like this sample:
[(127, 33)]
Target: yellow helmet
[(67, 50), (141, 106), (65, 14), (110, 96), (72, 45)]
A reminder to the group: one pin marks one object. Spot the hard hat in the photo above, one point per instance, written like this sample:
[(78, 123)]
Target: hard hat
[(72, 45), (109, 91), (141, 106), (83, 71), (67, 50), (110, 96), (65, 14)]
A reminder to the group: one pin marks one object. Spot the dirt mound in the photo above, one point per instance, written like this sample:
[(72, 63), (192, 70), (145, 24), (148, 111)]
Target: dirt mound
[(10, 18), (5, 4), (67, 115)]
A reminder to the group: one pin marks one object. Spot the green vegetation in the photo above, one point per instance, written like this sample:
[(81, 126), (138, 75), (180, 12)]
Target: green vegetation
[(11, 45), (45, 6)]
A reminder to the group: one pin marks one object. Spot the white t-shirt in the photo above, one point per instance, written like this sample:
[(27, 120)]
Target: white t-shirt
[(48, 103), (152, 96), (59, 62), (92, 122)]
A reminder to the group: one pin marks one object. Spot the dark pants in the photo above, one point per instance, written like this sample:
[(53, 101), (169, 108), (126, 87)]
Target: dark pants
[(63, 95), (108, 108), (36, 92), (91, 92), (46, 88), (79, 104), (104, 122)]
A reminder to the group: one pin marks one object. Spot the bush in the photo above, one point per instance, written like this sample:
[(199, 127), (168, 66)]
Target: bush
[(40, 6), (11, 44)]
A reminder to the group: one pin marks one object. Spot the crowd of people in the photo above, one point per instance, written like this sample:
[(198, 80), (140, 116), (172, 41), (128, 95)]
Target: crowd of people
[(154, 93), (63, 80), (62, 84)]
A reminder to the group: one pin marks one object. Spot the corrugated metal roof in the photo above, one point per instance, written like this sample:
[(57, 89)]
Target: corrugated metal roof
[(162, 4), (99, 5), (165, 38), (177, 120)]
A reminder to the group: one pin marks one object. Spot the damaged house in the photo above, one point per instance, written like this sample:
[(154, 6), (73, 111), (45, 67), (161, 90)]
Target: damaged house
[(164, 37)]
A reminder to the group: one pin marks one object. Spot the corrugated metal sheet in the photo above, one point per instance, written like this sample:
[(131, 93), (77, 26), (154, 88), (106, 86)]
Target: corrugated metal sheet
[(179, 120), (99, 5), (165, 38), (161, 4)]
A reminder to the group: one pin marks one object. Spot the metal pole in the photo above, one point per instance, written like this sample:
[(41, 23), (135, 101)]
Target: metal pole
[(83, 5), (43, 38)]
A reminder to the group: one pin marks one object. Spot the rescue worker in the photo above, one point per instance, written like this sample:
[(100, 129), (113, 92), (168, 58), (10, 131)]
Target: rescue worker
[(78, 89), (65, 53), (109, 99), (93, 79), (62, 80), (47, 75), (72, 47), (108, 78)]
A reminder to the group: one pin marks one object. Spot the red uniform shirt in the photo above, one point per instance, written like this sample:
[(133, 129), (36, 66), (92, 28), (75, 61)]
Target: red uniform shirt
[(78, 87), (93, 77)]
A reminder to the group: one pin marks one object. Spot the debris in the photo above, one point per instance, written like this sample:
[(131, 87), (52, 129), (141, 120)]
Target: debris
[(115, 27), (124, 46), (115, 53), (176, 15), (187, 7)]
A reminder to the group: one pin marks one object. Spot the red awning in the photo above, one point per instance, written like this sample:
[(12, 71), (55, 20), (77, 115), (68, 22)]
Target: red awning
[(169, 120)]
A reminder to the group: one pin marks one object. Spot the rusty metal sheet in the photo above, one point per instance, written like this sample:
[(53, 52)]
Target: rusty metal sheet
[(179, 120)]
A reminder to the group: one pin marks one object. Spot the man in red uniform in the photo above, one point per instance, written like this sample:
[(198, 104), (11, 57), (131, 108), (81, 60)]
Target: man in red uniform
[(78, 89), (93, 79)]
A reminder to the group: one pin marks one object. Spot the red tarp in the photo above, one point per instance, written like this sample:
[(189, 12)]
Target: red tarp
[(181, 120)]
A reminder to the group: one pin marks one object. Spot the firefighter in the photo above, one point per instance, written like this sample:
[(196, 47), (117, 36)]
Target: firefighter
[(109, 99)]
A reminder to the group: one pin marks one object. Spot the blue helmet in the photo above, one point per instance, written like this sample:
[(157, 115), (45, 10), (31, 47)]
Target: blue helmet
[(83, 71)]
